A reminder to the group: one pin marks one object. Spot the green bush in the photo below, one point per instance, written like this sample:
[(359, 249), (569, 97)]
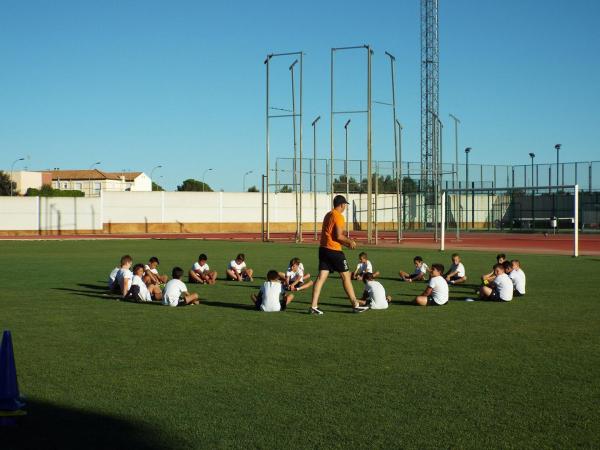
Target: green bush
[(49, 191)]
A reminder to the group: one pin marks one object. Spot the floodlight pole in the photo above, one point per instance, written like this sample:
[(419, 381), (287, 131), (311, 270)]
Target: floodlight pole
[(12, 167), (396, 147), (295, 167), (455, 184), (244, 183), (346, 175), (467, 151), (90, 178), (266, 233), (557, 147), (204, 176), (314, 174), (532, 156), (400, 201)]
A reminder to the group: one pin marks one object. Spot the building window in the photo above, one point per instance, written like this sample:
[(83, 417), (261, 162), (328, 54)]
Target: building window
[(65, 185), (78, 186)]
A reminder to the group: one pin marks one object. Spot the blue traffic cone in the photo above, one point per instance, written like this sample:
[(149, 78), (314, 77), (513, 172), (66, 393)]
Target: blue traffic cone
[(10, 399)]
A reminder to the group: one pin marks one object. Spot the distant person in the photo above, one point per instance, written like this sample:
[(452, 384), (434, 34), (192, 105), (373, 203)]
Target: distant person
[(151, 271), (201, 273), (436, 293), (237, 270), (456, 274), (501, 289), (294, 279), (124, 276), (331, 256), (489, 277), (374, 294), (272, 296), (518, 278), (175, 292), (363, 266), (141, 292), (418, 274)]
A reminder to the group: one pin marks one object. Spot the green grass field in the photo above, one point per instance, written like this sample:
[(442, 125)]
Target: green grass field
[(100, 373)]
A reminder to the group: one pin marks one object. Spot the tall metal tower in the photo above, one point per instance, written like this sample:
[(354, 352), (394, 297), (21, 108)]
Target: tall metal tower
[(430, 77)]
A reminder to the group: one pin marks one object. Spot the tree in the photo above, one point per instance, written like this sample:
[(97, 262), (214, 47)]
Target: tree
[(285, 189), (409, 186), (48, 191), (5, 184), (253, 189), (156, 187), (194, 186)]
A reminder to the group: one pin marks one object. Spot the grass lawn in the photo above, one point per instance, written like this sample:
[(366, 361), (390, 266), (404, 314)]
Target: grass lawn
[(100, 373)]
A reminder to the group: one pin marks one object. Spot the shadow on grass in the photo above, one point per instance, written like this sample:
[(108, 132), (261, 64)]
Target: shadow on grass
[(86, 293), (227, 305), (50, 426), (95, 287)]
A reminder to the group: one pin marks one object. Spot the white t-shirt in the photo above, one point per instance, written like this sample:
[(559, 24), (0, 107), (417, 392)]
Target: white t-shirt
[(459, 268), (172, 292), (423, 269), (295, 275), (154, 271), (144, 294), (439, 290), (504, 286), (113, 277), (366, 267), (237, 267), (271, 295), (200, 269), (122, 275), (518, 278), (376, 295)]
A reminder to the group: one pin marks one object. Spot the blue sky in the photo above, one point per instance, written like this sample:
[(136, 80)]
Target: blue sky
[(135, 84)]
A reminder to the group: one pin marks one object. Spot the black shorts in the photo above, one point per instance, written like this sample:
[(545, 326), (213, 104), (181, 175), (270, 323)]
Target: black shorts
[(332, 260)]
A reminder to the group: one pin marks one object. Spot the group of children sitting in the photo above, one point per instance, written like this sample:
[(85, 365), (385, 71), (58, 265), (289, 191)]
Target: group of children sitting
[(144, 283)]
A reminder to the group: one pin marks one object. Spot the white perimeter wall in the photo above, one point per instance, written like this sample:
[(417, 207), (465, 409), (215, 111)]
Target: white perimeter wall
[(83, 213)]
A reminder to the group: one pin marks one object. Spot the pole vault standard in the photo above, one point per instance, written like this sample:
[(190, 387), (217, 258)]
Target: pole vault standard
[(368, 112), (268, 116)]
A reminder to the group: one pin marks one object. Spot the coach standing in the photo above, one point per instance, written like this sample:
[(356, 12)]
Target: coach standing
[(331, 256)]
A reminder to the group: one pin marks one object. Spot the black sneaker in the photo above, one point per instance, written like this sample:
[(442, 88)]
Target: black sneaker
[(360, 309), (316, 311)]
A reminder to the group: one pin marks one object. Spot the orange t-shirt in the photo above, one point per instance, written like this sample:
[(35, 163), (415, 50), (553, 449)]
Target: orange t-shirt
[(332, 218)]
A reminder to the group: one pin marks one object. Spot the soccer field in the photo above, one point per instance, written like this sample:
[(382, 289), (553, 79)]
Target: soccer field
[(101, 373)]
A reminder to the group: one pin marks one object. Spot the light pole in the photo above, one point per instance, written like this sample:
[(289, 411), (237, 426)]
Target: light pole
[(90, 177), (399, 202), (557, 147), (532, 156), (467, 151), (152, 175), (203, 177), (314, 174), (346, 175), (456, 122), (247, 173), (295, 166), (12, 166)]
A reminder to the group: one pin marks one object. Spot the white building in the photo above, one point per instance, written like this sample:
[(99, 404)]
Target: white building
[(91, 182)]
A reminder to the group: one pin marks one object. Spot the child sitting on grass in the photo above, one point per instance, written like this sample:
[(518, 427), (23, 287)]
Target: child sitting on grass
[(151, 271), (237, 270), (124, 276), (176, 293), (272, 296), (294, 279), (201, 273), (419, 272), (518, 278), (374, 293), (141, 292), (364, 266), (489, 277), (436, 293), (501, 289), (456, 274)]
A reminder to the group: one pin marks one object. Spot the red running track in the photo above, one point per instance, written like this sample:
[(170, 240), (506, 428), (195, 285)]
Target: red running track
[(589, 244)]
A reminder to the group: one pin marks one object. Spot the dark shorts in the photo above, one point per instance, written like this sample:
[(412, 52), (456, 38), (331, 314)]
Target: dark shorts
[(518, 294), (455, 277), (431, 302), (332, 260)]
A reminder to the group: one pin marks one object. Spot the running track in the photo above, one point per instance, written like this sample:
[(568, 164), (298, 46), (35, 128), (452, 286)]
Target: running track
[(589, 244)]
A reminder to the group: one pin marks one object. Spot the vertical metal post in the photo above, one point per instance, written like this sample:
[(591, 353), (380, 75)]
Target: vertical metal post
[(443, 237), (396, 146), (369, 150), (472, 205), (346, 175), (295, 162), (435, 178), (376, 233), (458, 202), (576, 224), (399, 202), (266, 187), (331, 128), (314, 174), (301, 155), (262, 209), (590, 177), (467, 151)]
